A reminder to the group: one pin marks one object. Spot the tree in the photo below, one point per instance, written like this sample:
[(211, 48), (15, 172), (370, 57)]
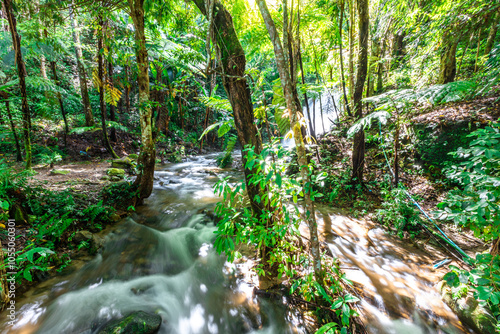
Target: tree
[(147, 156), (358, 152), (82, 73), (294, 111), (21, 71), (100, 82), (448, 60), (232, 59)]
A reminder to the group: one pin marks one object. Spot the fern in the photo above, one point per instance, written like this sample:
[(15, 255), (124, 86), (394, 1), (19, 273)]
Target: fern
[(216, 103)]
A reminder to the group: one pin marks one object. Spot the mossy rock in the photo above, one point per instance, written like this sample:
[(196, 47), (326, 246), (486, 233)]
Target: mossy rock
[(116, 172), (138, 322), (105, 178), (468, 310), (125, 162), (59, 172), (115, 178), (133, 156)]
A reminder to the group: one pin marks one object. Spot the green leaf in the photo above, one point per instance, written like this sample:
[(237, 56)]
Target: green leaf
[(329, 328)]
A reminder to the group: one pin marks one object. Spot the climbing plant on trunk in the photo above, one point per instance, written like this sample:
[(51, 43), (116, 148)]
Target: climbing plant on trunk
[(147, 156)]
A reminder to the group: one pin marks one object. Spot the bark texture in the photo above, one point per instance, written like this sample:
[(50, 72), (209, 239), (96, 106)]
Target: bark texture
[(232, 60), (358, 152), (147, 157)]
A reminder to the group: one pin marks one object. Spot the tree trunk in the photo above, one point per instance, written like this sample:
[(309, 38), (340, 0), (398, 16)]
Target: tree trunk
[(294, 111), (358, 152), (352, 20), (21, 71), (448, 61), (147, 157), (82, 74), (398, 49), (348, 109), (61, 104), (127, 90), (492, 34), (5, 97), (375, 57), (232, 60), (380, 67), (102, 103), (112, 108)]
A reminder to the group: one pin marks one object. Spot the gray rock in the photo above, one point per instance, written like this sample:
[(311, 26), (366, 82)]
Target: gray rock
[(82, 236), (138, 322)]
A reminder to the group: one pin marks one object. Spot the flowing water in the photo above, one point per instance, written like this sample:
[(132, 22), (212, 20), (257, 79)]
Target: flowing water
[(161, 260)]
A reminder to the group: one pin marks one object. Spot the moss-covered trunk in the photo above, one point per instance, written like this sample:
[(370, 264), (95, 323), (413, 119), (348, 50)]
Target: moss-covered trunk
[(147, 157), (232, 59), (358, 151)]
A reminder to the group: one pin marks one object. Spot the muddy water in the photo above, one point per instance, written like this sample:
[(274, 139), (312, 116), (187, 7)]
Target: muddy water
[(396, 279), (162, 260)]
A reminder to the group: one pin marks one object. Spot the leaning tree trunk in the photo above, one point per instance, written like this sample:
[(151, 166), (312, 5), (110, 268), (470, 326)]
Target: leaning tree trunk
[(448, 60), (147, 157), (294, 111), (21, 71), (102, 103), (233, 62), (82, 74), (358, 151), (5, 97)]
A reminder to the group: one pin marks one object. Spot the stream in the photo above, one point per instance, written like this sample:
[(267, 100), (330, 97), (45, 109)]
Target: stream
[(161, 260)]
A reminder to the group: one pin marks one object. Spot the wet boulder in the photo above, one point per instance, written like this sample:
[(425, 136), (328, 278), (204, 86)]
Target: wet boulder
[(468, 310), (138, 322)]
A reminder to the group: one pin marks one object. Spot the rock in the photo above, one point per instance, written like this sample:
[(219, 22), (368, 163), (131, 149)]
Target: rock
[(82, 236), (105, 178), (124, 162), (59, 172), (97, 242), (114, 217), (133, 156), (135, 323), (116, 172), (115, 178), (468, 310)]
